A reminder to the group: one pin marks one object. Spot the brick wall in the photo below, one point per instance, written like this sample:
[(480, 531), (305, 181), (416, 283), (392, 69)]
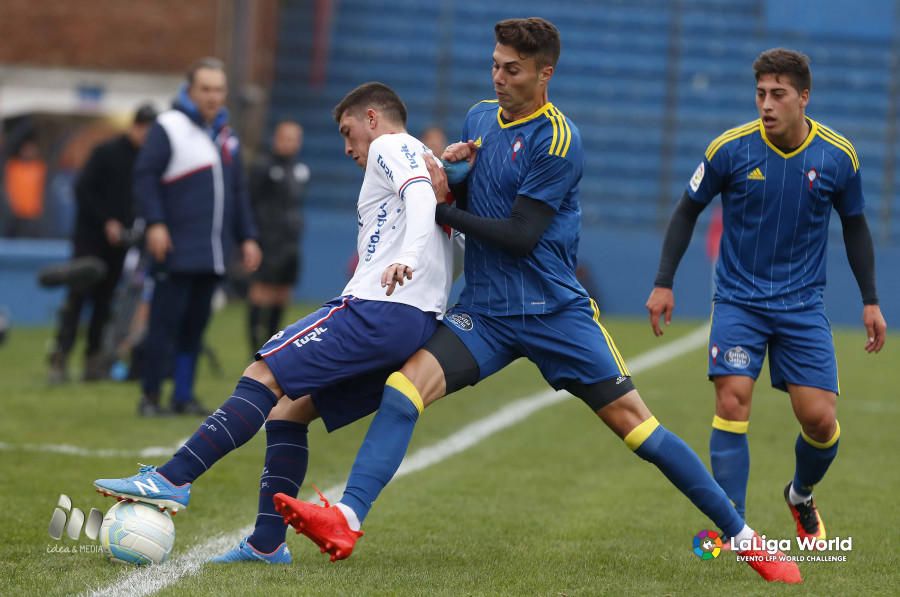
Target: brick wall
[(150, 36)]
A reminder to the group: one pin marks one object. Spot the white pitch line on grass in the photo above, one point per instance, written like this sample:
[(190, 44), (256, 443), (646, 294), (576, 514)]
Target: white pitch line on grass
[(146, 581), (70, 450)]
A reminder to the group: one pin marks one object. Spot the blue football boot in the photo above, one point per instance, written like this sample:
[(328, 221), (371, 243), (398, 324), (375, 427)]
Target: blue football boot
[(245, 552), (149, 487)]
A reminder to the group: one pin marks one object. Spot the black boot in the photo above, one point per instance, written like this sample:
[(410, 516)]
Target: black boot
[(57, 374), (149, 406)]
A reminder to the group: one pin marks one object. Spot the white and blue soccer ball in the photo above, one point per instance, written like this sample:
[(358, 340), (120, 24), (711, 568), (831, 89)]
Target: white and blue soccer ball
[(136, 533)]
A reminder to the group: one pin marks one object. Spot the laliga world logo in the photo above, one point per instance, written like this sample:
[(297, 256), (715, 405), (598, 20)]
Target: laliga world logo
[(707, 545)]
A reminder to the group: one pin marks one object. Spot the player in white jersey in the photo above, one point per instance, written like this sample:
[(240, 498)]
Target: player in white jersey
[(333, 363)]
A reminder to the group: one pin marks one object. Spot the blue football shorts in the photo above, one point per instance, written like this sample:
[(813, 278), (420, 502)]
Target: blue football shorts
[(343, 353), (567, 346), (800, 345)]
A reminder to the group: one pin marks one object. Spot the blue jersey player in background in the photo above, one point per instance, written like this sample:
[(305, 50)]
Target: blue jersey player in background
[(779, 177), (521, 216)]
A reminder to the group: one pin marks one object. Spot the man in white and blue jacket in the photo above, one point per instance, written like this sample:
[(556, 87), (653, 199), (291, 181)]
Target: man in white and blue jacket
[(189, 186)]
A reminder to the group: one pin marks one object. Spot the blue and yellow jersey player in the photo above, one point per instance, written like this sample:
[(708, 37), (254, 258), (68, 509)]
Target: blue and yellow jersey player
[(779, 177), (521, 218)]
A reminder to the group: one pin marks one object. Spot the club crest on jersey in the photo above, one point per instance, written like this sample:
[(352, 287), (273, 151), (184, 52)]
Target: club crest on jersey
[(462, 321), (811, 176), (714, 353), (697, 178), (737, 357), (517, 146)]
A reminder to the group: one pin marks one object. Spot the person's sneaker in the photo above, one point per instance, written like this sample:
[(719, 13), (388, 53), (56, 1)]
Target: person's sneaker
[(244, 552), (806, 515), (149, 406), (190, 407), (772, 567), (57, 372), (95, 368), (325, 525), (147, 486)]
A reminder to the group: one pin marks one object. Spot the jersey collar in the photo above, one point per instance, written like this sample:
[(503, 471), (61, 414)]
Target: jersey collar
[(505, 125), (813, 129)]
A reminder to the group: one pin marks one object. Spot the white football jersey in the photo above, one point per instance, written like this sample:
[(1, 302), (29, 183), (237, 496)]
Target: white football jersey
[(396, 225)]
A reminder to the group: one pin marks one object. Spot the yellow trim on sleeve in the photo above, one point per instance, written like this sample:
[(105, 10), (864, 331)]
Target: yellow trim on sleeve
[(841, 143), (562, 118), (639, 434), (731, 135), (555, 132), (730, 426), (823, 445), (505, 125), (813, 131), (401, 383)]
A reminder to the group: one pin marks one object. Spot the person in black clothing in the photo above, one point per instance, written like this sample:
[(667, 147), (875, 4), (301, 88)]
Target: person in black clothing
[(277, 186), (105, 215)]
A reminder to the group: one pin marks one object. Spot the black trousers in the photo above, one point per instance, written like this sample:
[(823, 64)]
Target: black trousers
[(100, 296), (179, 312)]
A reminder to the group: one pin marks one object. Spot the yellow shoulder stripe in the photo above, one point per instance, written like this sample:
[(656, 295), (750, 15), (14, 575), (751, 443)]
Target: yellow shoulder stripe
[(731, 135), (562, 134), (841, 143), (484, 101)]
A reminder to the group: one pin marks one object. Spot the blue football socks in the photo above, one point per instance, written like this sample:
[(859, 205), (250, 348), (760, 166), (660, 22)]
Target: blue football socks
[(654, 443), (230, 426), (813, 460), (729, 455), (287, 456), (385, 444)]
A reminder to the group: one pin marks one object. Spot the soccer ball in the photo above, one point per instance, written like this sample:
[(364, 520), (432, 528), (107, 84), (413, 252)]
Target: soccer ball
[(136, 533)]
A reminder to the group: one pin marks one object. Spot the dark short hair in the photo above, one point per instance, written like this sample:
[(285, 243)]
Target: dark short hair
[(781, 61), (532, 37), (372, 94), (206, 62), (145, 114)]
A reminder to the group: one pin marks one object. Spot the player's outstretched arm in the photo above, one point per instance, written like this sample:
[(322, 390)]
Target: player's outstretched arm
[(861, 256), (660, 304), (876, 328), (678, 236), (517, 235)]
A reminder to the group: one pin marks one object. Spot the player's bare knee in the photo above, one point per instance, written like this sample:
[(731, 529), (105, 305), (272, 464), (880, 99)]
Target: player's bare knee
[(259, 371), (302, 410), (424, 372), (733, 399), (819, 425), (625, 414)]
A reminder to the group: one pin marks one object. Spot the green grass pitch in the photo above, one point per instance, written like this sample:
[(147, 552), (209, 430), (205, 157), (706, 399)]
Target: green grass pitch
[(553, 505)]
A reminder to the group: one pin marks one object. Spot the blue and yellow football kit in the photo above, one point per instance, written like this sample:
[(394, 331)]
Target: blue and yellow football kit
[(771, 271), (530, 306)]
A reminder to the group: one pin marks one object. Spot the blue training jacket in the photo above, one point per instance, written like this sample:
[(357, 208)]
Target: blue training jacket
[(188, 175)]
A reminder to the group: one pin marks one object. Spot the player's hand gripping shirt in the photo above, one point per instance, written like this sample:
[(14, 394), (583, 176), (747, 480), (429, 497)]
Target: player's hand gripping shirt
[(540, 157), (776, 209), (396, 225)]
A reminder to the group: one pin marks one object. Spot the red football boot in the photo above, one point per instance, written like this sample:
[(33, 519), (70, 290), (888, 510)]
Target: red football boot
[(772, 567), (325, 525), (806, 515)]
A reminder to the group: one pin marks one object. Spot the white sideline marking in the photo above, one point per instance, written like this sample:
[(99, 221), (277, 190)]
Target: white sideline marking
[(146, 581), (70, 450)]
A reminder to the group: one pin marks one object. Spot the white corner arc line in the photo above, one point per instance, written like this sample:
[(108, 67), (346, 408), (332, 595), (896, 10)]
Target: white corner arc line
[(146, 581)]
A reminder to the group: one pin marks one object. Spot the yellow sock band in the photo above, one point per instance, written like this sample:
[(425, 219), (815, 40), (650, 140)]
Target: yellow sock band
[(639, 434), (730, 426), (401, 383), (823, 445)]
